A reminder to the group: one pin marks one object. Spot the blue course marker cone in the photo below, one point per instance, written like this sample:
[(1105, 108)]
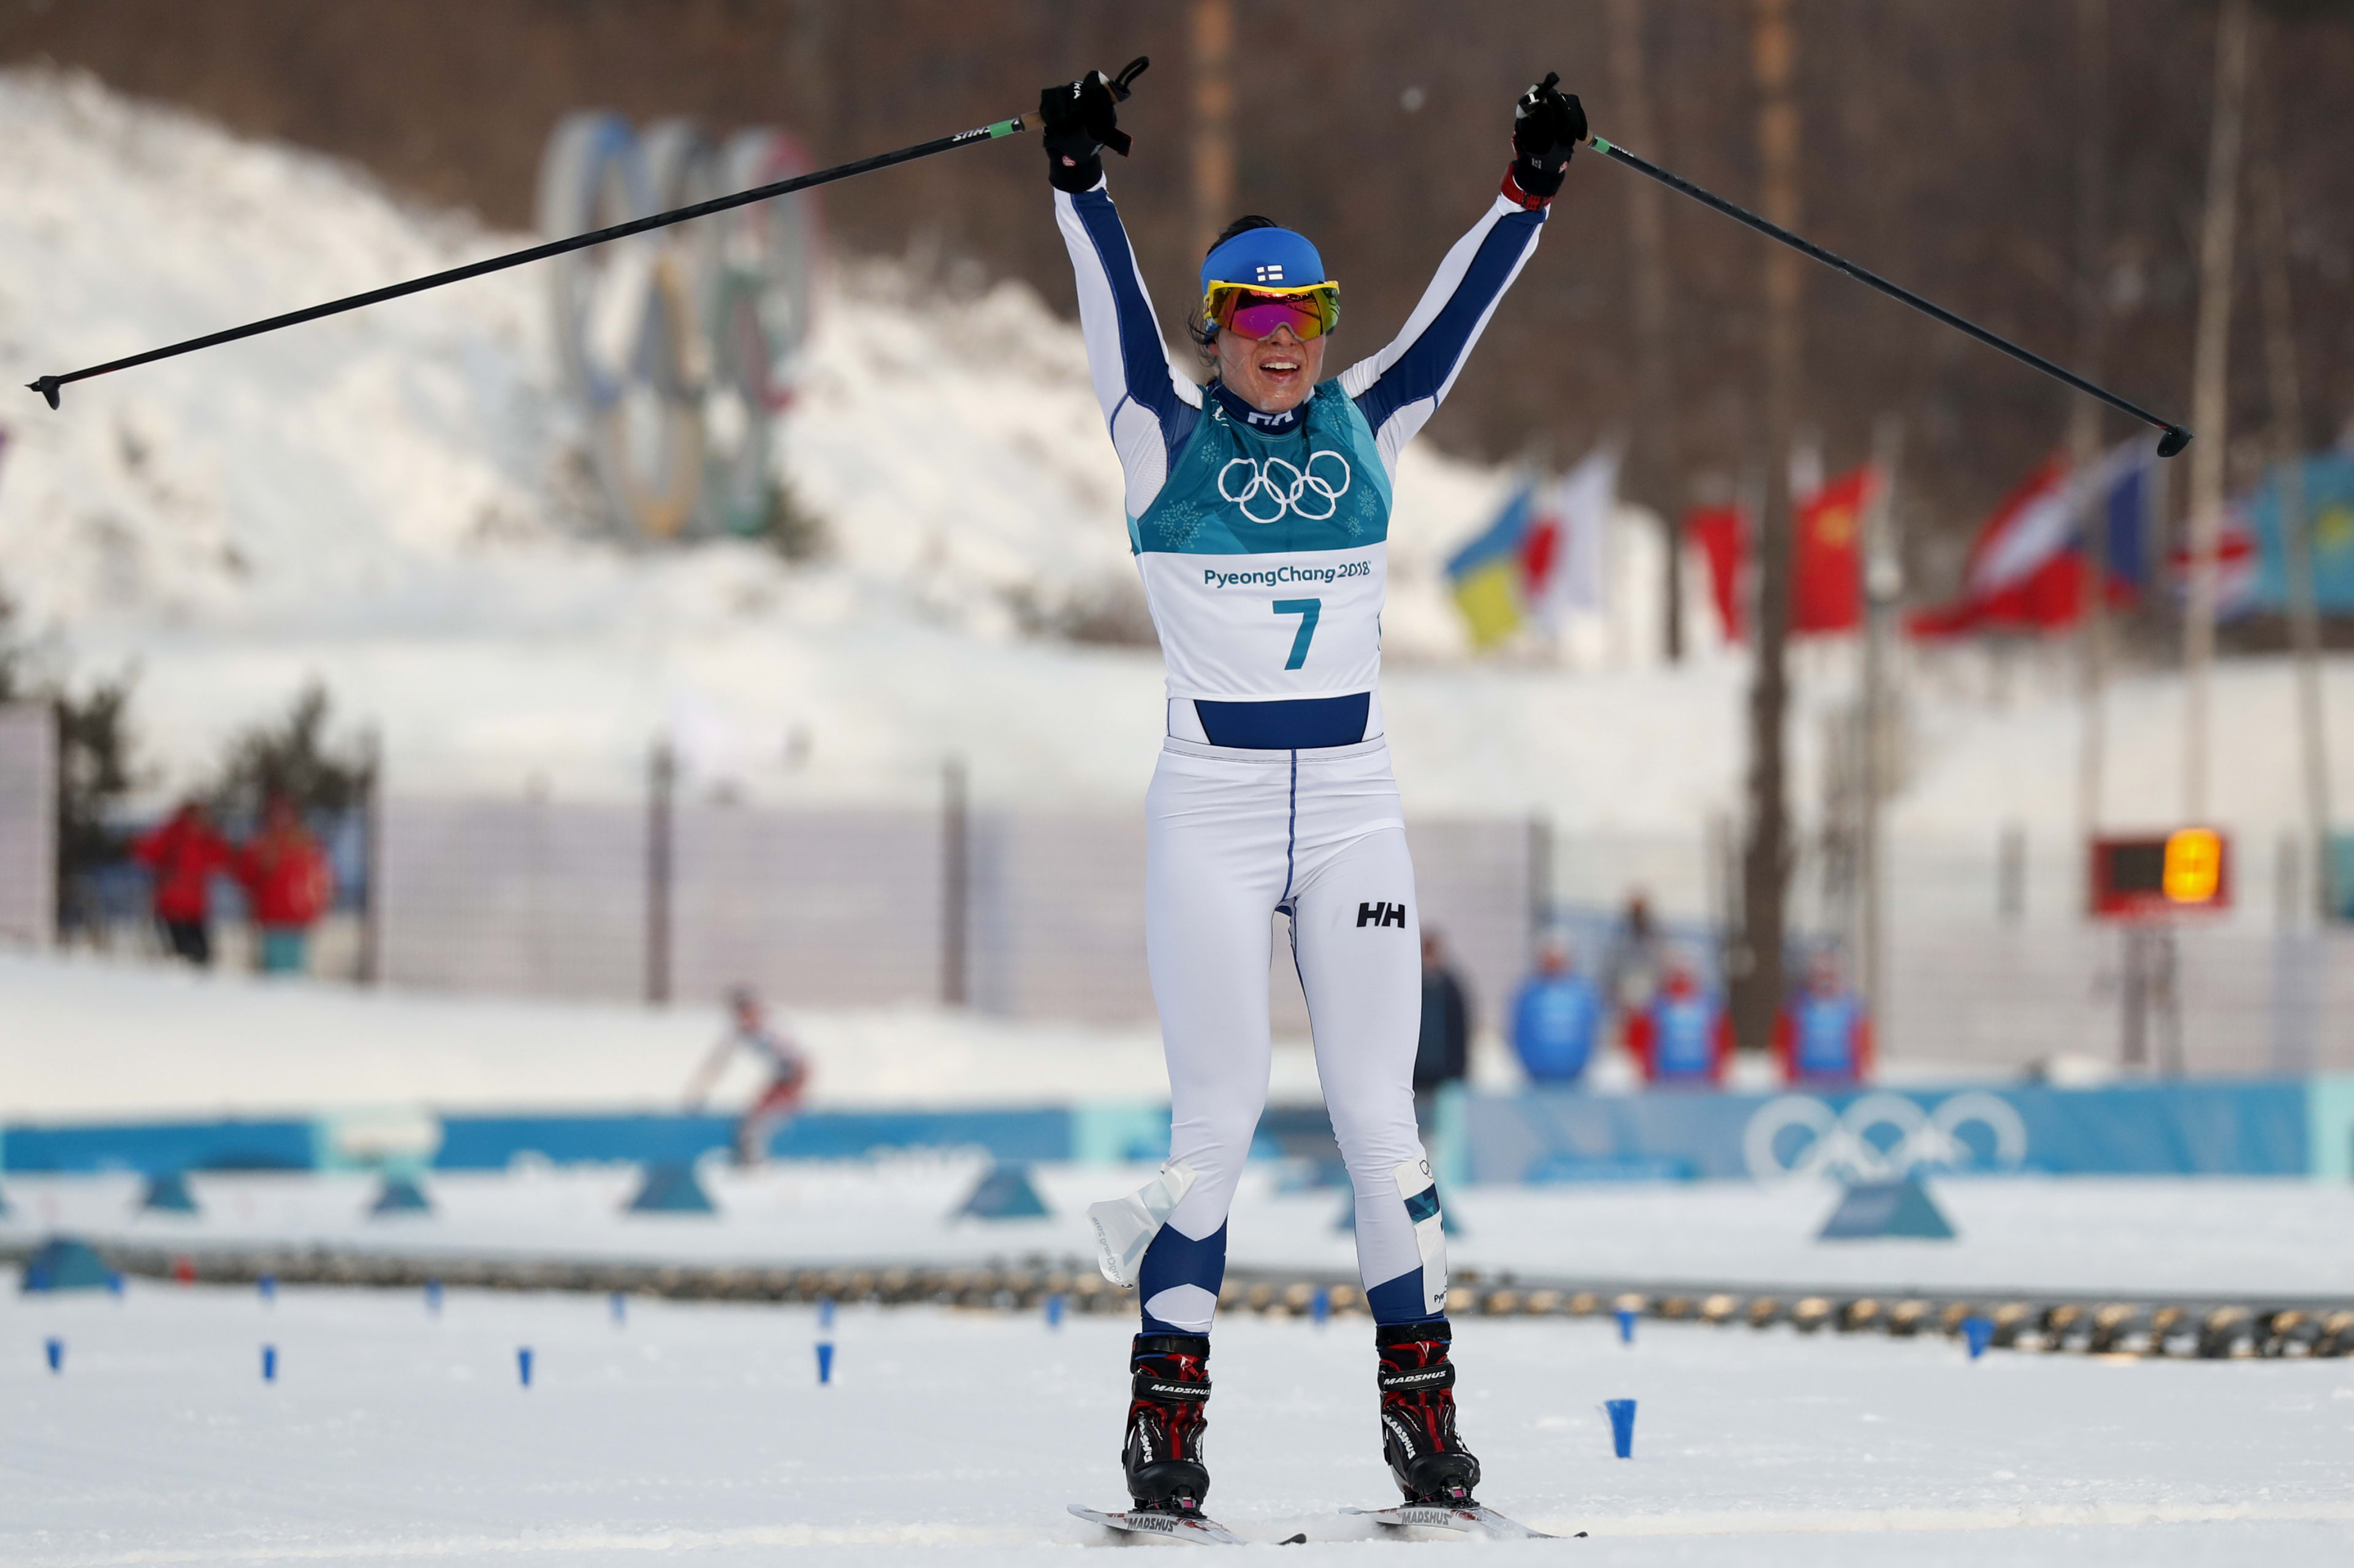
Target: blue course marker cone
[(1055, 1309), (1622, 1427), (64, 1263), (167, 1193), (672, 1189), (1870, 1211), (1978, 1333), (268, 1285), (433, 1297), (114, 1285), (825, 1360), (620, 1308), (522, 1364), (1626, 1316), (1319, 1306), (56, 1351), (400, 1195), (825, 1312), (269, 1363), (1005, 1193)]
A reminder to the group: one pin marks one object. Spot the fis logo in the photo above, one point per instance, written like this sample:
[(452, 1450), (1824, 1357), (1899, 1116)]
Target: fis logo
[(1383, 913)]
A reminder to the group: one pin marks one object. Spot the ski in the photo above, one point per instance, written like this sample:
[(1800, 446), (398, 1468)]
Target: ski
[(1175, 1526), (1472, 1519)]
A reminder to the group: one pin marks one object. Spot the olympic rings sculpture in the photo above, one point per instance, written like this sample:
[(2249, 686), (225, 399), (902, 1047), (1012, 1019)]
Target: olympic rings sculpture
[(1850, 1143), (677, 347), (1286, 494)]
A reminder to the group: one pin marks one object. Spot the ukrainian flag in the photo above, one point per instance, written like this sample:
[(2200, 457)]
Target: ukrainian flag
[(1486, 575)]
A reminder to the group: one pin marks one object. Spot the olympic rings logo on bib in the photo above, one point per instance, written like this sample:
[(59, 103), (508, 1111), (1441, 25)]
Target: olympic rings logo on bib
[(1305, 490)]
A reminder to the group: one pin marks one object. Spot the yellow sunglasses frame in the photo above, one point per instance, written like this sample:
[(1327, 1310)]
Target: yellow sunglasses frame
[(1209, 299)]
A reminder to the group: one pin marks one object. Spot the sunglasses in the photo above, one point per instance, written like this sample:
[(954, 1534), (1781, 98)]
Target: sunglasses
[(1310, 311)]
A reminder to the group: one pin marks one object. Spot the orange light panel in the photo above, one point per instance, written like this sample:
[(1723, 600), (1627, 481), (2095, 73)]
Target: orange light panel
[(2194, 865)]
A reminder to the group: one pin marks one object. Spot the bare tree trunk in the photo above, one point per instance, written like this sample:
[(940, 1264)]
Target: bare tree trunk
[(2085, 413), (1659, 460), (1765, 859), (1213, 120), (2210, 395), (2270, 216)]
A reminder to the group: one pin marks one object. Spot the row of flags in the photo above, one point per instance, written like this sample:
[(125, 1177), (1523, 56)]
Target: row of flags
[(2026, 571), (2027, 568)]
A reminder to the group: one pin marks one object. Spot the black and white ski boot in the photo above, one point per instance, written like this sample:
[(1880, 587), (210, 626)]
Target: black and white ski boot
[(1427, 1460), (1166, 1415)]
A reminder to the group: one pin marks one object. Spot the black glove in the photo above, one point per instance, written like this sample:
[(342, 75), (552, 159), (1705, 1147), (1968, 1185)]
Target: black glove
[(1081, 118), (1547, 126)]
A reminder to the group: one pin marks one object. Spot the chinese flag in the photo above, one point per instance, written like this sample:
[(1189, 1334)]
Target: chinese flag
[(1826, 557)]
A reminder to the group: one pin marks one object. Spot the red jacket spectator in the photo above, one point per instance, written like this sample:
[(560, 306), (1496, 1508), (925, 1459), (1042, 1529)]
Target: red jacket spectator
[(286, 875), (1683, 1036), (184, 853)]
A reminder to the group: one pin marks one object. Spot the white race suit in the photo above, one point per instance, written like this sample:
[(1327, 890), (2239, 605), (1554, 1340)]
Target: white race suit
[(1262, 540)]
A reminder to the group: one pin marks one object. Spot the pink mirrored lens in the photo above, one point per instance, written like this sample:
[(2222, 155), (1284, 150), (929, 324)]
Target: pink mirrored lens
[(1258, 318)]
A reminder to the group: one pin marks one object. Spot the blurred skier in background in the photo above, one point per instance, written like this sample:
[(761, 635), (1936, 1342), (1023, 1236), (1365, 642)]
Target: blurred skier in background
[(1556, 1018), (181, 854), (1684, 1037), (1258, 514), (787, 1068), (289, 885)]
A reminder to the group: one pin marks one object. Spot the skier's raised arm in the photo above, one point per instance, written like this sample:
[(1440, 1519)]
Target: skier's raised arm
[(1399, 388), (1148, 403)]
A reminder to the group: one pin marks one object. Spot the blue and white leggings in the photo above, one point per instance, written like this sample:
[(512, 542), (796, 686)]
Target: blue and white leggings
[(1233, 837)]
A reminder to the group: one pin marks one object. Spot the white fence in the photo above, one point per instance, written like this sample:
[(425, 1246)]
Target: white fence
[(28, 823), (844, 906), (1029, 915)]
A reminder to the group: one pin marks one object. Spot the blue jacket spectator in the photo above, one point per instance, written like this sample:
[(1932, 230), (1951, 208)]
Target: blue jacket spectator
[(1556, 1018)]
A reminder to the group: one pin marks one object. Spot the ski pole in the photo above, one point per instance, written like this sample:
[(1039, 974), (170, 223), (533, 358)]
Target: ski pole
[(49, 386), (2175, 437)]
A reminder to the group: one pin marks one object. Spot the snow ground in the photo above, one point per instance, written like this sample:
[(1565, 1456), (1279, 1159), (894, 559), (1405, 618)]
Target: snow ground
[(88, 1038), (699, 1431), (2237, 1240), (381, 501)]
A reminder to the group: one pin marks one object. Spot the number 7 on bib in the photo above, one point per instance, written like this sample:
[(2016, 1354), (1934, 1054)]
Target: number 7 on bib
[(1306, 609)]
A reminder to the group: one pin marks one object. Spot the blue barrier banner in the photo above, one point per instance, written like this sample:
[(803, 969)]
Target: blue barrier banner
[(2275, 1127), (488, 1143), (155, 1148), (492, 1142), (2185, 1128)]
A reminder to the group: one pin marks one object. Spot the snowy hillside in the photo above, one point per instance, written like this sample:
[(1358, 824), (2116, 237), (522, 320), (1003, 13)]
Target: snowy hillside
[(384, 502)]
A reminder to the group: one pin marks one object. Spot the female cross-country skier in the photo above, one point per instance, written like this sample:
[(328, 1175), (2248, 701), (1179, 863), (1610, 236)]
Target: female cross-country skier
[(1258, 509)]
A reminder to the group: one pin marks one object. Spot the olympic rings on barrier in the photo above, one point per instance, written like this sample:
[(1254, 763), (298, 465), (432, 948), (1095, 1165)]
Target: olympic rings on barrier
[(1881, 1137), (677, 347), (1286, 493)]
